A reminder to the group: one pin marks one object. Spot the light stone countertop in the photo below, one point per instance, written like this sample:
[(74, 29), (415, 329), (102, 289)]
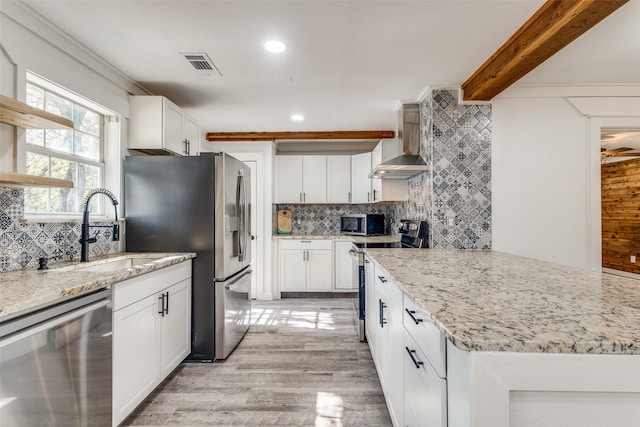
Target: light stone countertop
[(387, 238), (493, 301), (24, 291)]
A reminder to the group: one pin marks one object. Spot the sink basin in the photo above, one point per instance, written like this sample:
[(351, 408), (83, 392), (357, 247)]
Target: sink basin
[(107, 265)]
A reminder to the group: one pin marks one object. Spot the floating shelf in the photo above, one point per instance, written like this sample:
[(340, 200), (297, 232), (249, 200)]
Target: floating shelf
[(11, 179), (16, 113)]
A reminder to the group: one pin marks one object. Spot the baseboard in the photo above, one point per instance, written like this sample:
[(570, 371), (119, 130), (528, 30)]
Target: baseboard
[(318, 295)]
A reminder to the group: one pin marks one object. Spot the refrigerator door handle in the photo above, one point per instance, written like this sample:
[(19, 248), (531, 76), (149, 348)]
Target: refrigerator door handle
[(239, 214), (245, 217)]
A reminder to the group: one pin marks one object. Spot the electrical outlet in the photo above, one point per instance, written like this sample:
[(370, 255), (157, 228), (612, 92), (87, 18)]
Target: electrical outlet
[(451, 222), (633, 259)]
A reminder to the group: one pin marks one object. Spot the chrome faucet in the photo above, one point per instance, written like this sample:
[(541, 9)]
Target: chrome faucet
[(84, 238)]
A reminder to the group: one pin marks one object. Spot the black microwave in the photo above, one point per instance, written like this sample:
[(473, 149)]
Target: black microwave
[(362, 224)]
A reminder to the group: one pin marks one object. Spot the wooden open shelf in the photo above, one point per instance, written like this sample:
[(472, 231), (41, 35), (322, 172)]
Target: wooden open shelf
[(10, 179), (16, 113)]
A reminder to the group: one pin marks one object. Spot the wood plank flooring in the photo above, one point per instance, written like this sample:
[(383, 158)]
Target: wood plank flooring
[(300, 364)]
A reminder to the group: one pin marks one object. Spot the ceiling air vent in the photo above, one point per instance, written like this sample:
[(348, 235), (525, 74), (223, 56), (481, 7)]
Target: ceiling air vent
[(202, 63)]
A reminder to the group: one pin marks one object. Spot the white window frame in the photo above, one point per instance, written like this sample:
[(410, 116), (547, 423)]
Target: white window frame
[(110, 134)]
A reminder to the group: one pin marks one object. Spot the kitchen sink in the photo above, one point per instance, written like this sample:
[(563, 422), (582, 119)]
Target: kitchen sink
[(107, 265)]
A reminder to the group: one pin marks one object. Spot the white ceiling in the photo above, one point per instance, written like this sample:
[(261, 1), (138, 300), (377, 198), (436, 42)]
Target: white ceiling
[(347, 65)]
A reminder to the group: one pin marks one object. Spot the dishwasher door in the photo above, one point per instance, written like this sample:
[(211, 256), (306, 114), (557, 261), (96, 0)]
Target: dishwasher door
[(57, 371)]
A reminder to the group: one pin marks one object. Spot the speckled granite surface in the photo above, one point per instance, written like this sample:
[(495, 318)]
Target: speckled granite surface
[(356, 239), (22, 291), (492, 301)]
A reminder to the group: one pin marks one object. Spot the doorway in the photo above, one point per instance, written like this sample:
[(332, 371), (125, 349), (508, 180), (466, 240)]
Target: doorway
[(620, 200)]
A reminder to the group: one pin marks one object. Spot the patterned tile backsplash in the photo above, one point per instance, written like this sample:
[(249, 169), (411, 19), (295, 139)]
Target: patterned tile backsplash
[(455, 141), (325, 219), (22, 243)]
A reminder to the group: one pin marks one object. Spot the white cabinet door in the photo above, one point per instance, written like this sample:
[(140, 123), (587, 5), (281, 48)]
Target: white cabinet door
[(288, 179), (338, 179), (193, 135), (319, 271), (293, 270), (314, 179), (370, 304), (175, 327), (344, 265), (360, 182), (425, 392), (173, 131), (395, 371), (387, 190), (135, 355), (376, 184)]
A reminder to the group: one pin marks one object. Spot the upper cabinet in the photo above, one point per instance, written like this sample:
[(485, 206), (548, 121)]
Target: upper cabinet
[(301, 179), (338, 179), (360, 182), (387, 190), (158, 126)]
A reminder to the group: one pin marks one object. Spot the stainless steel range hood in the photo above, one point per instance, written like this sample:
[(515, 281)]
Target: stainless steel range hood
[(410, 162)]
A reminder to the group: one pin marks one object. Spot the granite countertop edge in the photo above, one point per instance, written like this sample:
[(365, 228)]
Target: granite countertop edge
[(606, 323), (26, 291)]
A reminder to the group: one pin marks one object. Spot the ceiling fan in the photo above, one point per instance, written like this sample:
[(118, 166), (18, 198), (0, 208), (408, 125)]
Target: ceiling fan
[(618, 152)]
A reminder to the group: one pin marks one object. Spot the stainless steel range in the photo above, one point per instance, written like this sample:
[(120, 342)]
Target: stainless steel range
[(413, 235)]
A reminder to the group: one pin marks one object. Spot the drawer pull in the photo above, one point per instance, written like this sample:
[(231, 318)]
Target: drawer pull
[(411, 314), (413, 359), (382, 306), (382, 279)]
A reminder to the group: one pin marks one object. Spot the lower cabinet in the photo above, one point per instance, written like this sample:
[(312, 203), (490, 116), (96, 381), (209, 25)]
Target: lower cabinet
[(389, 343), (408, 351), (425, 393), (151, 333), (346, 264), (306, 265)]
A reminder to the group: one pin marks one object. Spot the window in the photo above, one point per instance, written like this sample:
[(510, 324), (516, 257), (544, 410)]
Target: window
[(75, 154)]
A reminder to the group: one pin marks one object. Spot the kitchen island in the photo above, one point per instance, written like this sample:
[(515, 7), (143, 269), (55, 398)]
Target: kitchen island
[(525, 342)]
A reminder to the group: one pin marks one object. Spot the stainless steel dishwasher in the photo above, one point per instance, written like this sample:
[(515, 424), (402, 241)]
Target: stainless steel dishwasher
[(55, 365)]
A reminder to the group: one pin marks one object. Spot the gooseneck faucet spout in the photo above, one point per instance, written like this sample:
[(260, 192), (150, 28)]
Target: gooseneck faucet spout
[(84, 238)]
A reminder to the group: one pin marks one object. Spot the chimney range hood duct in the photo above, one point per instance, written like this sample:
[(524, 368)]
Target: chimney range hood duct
[(410, 162)]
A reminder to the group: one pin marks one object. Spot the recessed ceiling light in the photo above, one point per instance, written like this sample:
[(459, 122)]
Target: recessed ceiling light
[(275, 46), (297, 117)]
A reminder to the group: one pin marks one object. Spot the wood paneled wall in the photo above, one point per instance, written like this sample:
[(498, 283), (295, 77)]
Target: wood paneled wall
[(621, 215)]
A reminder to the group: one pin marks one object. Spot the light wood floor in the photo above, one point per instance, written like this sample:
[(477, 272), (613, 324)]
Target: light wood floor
[(300, 364)]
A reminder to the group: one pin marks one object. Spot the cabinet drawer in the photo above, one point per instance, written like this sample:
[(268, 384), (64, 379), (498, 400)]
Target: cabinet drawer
[(131, 290), (425, 392), (429, 338), (306, 244)]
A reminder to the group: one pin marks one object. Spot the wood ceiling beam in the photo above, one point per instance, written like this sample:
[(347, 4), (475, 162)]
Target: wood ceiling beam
[(556, 24), (317, 135)]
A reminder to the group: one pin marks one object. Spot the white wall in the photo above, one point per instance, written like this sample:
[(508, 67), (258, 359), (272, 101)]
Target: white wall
[(546, 173)]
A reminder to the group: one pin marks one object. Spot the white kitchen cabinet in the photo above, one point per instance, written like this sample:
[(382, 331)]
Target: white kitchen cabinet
[(360, 182), (314, 179), (338, 179), (343, 262), (370, 304), (389, 344), (193, 135), (288, 179), (305, 266), (151, 333), (425, 393), (387, 190), (158, 126), (301, 179)]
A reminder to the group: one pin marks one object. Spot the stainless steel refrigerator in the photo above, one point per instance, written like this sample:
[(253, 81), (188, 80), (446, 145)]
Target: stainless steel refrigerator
[(198, 204)]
